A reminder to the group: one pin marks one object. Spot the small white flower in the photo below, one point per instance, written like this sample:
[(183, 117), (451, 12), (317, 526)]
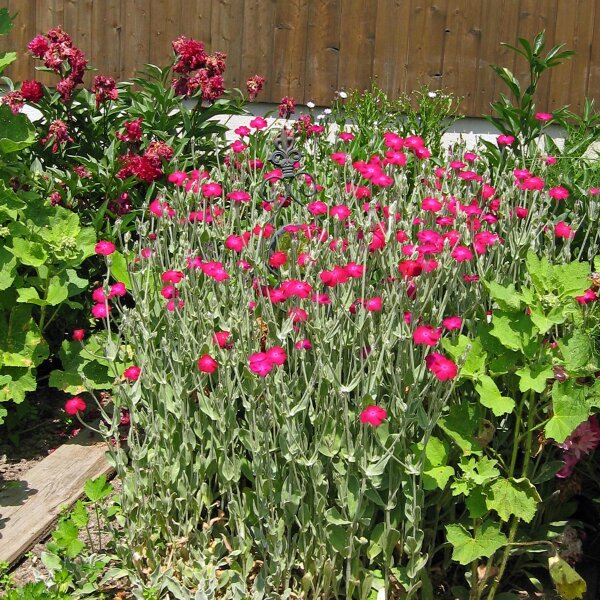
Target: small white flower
[(310, 104), (343, 95), (432, 94), (327, 111), (319, 117)]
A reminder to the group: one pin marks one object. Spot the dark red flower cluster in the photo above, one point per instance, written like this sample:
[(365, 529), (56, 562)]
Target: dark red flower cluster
[(15, 100), (57, 133), (105, 89), (58, 53), (32, 91), (148, 166), (133, 131), (287, 107), (198, 70), (254, 85)]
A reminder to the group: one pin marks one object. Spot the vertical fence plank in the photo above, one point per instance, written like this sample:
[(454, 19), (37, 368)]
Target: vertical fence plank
[(106, 39), (24, 30), (257, 43), (568, 81), (535, 16), (226, 32), (498, 24), (289, 49), (195, 20), (49, 13), (392, 31), (322, 51), (164, 28), (77, 23), (357, 43), (462, 50), (135, 33), (593, 82)]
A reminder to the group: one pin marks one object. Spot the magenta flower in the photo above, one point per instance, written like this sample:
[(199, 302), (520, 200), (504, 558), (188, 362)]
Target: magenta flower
[(505, 140), (277, 259), (461, 254), (427, 335), (373, 415), (260, 364), (558, 193), (276, 355), (211, 190), (100, 311), (74, 405), (105, 248), (132, 373), (563, 230), (222, 339), (207, 364), (443, 368), (172, 277), (258, 123), (374, 304), (543, 117), (451, 323), (117, 289), (78, 335)]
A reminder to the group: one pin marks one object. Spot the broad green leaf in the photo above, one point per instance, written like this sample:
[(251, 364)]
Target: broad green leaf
[(461, 425), (505, 296), (10, 204), (514, 330), (6, 21), (16, 131), (484, 542), (8, 264), (29, 253), (97, 489), (21, 343), (534, 377), (469, 351), (490, 396), (66, 538), (30, 295), (577, 351), (6, 59), (21, 382), (517, 497), (437, 477), (118, 269), (475, 503), (57, 290), (570, 410), (569, 584), (573, 279), (79, 515)]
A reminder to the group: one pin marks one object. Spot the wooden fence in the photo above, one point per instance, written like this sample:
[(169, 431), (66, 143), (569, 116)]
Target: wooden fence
[(308, 49)]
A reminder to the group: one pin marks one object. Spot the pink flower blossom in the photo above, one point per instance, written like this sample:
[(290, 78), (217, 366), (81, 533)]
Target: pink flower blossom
[(78, 335), (258, 123), (211, 190), (278, 259), (427, 335), (105, 248), (303, 345), (74, 405), (239, 196), (563, 230), (222, 339), (260, 364), (451, 323), (373, 415), (558, 193), (543, 117), (117, 289), (374, 304), (505, 140), (172, 277), (443, 368), (132, 373), (207, 364), (100, 311), (461, 254)]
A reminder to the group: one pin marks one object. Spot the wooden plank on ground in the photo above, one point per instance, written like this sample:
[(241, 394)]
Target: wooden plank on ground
[(322, 51), (28, 511)]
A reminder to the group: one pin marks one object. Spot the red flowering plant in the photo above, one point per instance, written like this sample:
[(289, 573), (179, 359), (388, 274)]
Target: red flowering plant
[(328, 372), (101, 150)]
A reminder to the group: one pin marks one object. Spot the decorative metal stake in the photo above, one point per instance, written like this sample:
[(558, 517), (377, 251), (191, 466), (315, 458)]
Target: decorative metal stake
[(285, 157)]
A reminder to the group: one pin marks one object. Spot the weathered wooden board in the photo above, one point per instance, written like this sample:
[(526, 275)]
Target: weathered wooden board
[(309, 48), (29, 510)]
